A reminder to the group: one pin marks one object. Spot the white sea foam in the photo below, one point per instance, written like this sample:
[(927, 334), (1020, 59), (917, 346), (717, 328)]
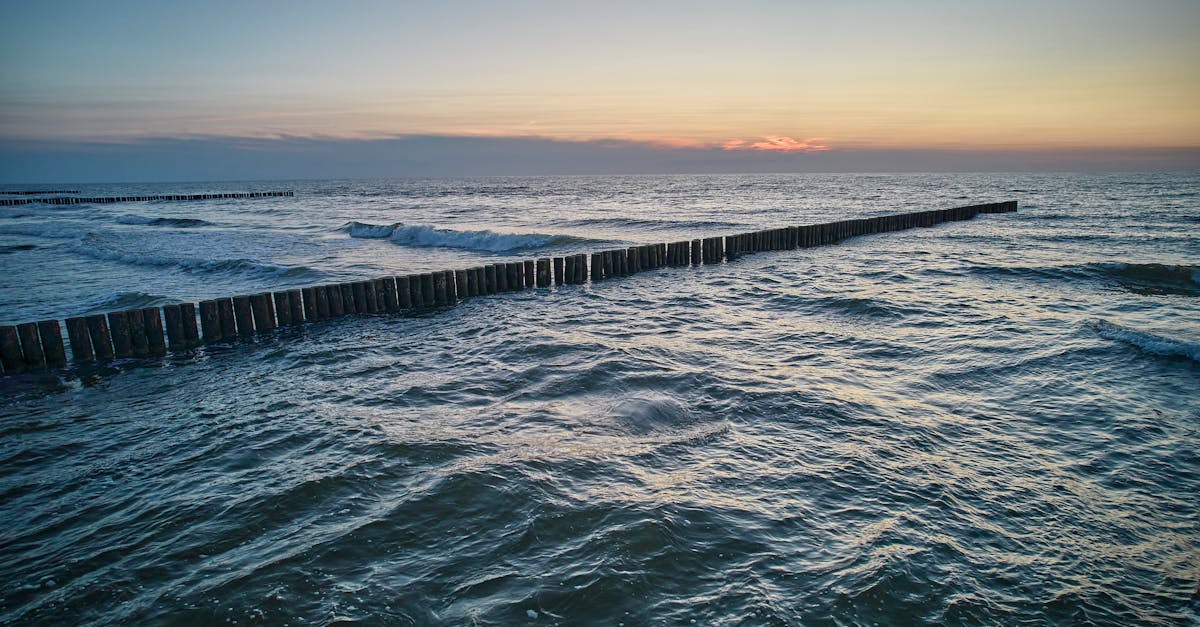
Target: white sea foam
[(1148, 342), (426, 235), (491, 241)]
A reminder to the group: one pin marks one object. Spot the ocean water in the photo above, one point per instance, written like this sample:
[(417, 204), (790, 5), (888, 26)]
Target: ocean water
[(994, 421)]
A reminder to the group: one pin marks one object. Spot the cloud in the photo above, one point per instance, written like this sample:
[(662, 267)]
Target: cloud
[(778, 143)]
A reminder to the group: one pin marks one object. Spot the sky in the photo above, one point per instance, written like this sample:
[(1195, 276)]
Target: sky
[(131, 90)]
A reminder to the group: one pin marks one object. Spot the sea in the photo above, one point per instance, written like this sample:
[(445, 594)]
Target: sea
[(994, 421)]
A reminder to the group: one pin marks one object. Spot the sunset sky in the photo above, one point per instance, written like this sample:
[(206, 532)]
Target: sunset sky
[(785, 78)]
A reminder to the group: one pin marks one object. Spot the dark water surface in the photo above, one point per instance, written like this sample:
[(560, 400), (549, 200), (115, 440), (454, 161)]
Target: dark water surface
[(994, 421)]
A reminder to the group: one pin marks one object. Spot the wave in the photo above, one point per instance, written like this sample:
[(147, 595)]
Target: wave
[(8, 250), (123, 301), (46, 231), (484, 240), (182, 223), (369, 231), (1145, 341), (490, 241), (1155, 275), (89, 247), (1139, 278)]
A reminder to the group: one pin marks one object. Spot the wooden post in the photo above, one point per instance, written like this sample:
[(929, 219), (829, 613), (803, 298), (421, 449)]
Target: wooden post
[(543, 272), (559, 271), (512, 276), (329, 301), (310, 303), (260, 309), (31, 346), (529, 272), (228, 320), (52, 343), (295, 306), (520, 285), (10, 350), (451, 287), (597, 267), (415, 296), (359, 292), (569, 269), (472, 283), (403, 295), (374, 297), (349, 306), (391, 297), (101, 338), (243, 313), (581, 268), (283, 308), (460, 284), (210, 324), (489, 280), (439, 289), (81, 342), (175, 324), (428, 290), (152, 320), (337, 302), (416, 287), (138, 342), (118, 327)]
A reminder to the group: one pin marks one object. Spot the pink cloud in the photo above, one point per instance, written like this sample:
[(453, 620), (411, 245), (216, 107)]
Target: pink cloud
[(778, 143)]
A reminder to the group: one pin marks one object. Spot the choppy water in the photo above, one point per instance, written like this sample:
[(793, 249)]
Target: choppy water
[(993, 421)]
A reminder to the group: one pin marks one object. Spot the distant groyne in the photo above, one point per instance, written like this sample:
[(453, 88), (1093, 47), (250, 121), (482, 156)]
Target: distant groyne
[(104, 200), (154, 331)]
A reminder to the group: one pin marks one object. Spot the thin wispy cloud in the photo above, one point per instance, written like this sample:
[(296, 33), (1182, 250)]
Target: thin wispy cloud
[(778, 143)]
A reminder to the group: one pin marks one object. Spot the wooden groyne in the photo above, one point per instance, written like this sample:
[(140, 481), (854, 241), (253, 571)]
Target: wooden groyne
[(102, 200), (181, 327), (38, 192)]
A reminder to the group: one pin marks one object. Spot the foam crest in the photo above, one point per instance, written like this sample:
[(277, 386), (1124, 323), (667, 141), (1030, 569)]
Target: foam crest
[(1149, 342), (483, 240)]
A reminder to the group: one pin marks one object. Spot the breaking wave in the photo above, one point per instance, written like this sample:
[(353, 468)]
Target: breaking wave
[(483, 240), (369, 231), (182, 223), (1149, 342)]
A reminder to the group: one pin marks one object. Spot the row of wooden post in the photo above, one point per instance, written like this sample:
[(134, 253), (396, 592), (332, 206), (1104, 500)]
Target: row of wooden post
[(156, 330), (101, 200), (38, 192)]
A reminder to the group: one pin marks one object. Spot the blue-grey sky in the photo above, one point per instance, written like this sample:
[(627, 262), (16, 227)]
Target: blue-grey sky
[(1067, 84)]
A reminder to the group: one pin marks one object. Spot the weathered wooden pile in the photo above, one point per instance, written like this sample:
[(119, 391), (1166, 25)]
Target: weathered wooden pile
[(154, 331)]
